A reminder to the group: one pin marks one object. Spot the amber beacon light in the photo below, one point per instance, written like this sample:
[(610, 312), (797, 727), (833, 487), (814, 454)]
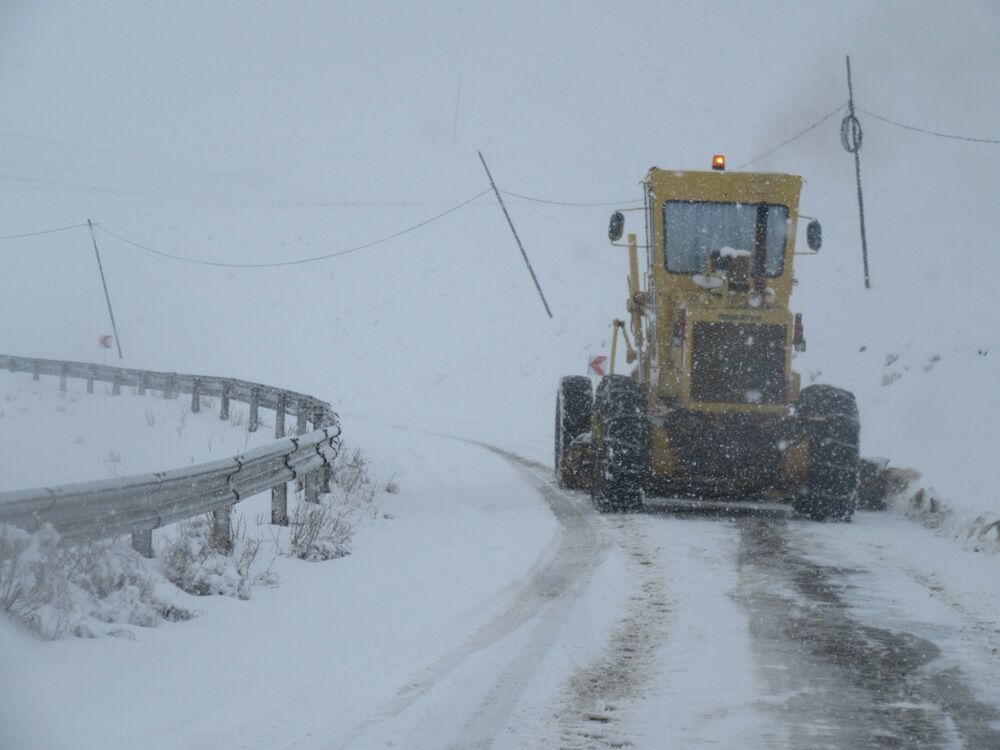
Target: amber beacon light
[(719, 162)]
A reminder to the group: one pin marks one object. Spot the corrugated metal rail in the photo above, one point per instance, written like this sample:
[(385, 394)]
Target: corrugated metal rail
[(136, 505)]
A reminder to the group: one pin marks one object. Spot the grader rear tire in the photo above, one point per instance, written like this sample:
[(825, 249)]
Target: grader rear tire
[(573, 409), (830, 420), (619, 445)]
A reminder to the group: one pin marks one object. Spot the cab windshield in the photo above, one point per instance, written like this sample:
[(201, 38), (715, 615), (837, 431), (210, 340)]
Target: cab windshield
[(696, 231)]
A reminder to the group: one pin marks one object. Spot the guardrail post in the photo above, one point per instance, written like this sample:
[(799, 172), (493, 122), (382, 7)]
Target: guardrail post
[(36, 373), (302, 417), (279, 504), (142, 542), (222, 529), (253, 421), (227, 388), (196, 396), (116, 384), (11, 364), (63, 369), (90, 379), (325, 474), (312, 487), (279, 415)]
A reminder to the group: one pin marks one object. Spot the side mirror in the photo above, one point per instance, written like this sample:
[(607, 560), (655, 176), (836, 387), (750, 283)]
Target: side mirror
[(814, 235), (617, 226)]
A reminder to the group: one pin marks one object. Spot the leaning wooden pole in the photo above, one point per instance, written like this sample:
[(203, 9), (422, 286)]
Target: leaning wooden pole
[(107, 297), (518, 239)]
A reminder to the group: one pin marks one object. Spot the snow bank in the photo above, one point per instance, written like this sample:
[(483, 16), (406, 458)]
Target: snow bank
[(978, 532), (54, 590)]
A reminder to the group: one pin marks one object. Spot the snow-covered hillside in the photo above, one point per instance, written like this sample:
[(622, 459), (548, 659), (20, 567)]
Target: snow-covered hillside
[(49, 438)]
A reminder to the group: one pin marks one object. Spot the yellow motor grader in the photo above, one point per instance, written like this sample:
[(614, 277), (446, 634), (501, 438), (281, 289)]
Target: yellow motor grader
[(711, 408)]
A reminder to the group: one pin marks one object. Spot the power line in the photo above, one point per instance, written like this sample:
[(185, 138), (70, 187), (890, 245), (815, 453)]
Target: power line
[(297, 261), (44, 231), (795, 137), (929, 132), (567, 203)]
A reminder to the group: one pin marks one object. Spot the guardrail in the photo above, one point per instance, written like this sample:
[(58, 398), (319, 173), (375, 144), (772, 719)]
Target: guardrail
[(136, 505)]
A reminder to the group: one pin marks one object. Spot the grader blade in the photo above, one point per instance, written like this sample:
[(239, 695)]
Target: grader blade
[(879, 483)]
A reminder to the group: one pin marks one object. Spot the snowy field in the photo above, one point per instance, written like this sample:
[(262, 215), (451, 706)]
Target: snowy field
[(481, 606)]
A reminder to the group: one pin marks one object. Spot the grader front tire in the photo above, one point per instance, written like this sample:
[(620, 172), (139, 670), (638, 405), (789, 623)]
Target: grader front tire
[(830, 420), (573, 411), (620, 445)]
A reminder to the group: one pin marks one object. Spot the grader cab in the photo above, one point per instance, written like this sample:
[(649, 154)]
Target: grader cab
[(711, 407)]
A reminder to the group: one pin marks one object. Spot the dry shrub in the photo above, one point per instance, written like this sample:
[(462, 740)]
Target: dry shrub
[(194, 560), (319, 531), (323, 531)]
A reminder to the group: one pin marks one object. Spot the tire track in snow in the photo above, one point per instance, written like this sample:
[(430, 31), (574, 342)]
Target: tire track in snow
[(677, 672), (977, 626), (584, 556), (591, 715), (829, 678), (542, 604), (600, 701), (848, 684)]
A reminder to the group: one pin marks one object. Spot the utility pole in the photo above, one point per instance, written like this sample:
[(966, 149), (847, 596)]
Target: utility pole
[(850, 137), (107, 297)]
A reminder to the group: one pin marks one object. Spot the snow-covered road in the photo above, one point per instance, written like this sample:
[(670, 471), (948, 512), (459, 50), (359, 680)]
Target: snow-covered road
[(770, 629), (493, 609)]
